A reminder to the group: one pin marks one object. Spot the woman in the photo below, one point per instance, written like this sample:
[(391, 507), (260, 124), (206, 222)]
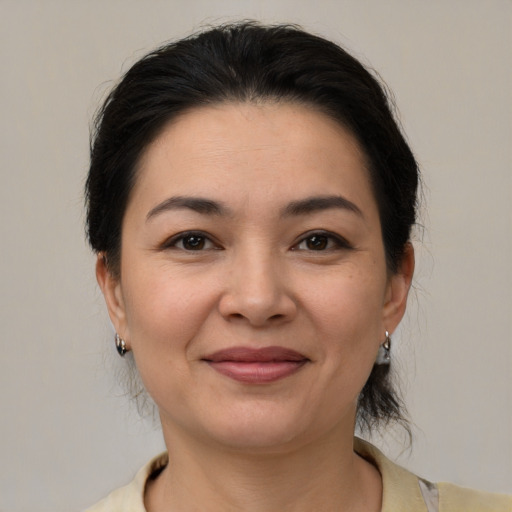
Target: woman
[(250, 199)]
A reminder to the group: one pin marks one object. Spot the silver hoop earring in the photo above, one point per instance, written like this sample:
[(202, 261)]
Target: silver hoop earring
[(384, 353), (120, 345)]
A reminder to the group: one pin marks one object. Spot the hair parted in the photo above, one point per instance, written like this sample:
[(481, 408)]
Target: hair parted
[(249, 62)]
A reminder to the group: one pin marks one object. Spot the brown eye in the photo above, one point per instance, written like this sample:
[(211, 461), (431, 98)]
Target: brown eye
[(317, 242), (321, 241), (194, 242), (191, 241)]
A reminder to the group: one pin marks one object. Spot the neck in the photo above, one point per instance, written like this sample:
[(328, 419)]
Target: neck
[(325, 475)]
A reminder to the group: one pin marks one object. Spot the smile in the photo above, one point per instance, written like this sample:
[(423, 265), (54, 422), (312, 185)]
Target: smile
[(256, 366)]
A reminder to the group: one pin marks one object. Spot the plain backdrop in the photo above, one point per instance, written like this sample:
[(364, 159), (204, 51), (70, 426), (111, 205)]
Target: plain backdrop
[(68, 435)]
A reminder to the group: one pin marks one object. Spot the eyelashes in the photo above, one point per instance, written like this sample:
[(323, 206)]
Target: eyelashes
[(191, 241), (313, 241), (321, 241)]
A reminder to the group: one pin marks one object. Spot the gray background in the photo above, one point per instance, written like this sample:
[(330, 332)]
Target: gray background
[(67, 433)]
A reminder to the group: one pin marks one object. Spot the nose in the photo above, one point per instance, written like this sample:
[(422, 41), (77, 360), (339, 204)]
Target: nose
[(257, 292)]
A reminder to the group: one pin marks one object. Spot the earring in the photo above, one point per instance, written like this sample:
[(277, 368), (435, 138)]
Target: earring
[(384, 353), (120, 345)]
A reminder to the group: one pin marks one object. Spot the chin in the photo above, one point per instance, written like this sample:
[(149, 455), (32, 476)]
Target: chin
[(262, 430), (263, 441)]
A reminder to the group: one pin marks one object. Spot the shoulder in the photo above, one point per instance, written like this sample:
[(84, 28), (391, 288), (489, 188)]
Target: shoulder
[(130, 498), (404, 491), (453, 498)]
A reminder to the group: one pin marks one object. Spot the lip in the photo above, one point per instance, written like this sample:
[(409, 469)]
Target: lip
[(256, 366)]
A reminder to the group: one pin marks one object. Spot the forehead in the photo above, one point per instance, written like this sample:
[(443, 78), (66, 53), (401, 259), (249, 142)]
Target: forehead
[(245, 151)]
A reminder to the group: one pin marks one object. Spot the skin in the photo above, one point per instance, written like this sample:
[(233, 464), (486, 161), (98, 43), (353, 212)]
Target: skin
[(256, 278)]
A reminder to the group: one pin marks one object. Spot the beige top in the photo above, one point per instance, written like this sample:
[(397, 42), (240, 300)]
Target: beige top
[(402, 490)]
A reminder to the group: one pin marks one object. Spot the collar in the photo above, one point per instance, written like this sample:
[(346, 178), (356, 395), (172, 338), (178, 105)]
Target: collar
[(401, 490)]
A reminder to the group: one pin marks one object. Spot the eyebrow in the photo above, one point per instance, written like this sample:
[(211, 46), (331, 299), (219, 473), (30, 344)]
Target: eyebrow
[(205, 206), (320, 203), (197, 204)]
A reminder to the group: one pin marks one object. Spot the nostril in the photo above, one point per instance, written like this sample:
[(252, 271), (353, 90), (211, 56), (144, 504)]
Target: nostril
[(258, 306), (240, 316)]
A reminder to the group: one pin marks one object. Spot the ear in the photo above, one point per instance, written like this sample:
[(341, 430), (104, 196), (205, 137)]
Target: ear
[(112, 292), (398, 290)]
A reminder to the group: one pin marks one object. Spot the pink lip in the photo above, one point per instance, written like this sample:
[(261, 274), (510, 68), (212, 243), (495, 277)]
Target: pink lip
[(256, 366)]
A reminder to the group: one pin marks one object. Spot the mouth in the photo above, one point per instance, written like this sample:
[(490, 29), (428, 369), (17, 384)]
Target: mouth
[(256, 366)]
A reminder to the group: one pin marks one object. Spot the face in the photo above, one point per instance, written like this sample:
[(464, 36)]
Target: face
[(253, 288)]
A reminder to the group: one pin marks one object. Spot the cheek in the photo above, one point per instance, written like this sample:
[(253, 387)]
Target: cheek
[(165, 310), (164, 315), (347, 319), (348, 300)]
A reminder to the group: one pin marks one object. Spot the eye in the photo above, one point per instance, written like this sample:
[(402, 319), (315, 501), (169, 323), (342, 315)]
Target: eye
[(191, 241), (321, 242)]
